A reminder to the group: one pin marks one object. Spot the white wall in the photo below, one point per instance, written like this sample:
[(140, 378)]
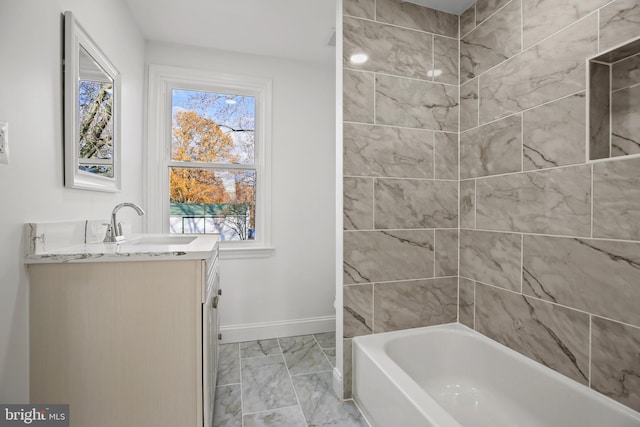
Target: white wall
[(31, 188), (297, 281)]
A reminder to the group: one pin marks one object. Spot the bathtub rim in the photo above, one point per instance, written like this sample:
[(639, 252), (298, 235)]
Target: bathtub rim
[(375, 345)]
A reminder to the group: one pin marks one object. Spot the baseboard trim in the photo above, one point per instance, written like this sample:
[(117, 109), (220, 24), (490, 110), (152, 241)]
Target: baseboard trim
[(337, 384), (285, 328)]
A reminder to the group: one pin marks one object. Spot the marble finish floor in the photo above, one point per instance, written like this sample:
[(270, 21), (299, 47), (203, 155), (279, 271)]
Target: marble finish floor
[(284, 382)]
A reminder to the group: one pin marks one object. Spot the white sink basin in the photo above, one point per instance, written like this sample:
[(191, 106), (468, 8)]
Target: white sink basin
[(159, 240)]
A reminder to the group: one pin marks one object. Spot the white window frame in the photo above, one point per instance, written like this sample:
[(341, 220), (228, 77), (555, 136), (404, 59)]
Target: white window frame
[(162, 79)]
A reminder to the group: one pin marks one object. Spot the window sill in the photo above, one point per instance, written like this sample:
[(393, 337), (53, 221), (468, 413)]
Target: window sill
[(245, 253)]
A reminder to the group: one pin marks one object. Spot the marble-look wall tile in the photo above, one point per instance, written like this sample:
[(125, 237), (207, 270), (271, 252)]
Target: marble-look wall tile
[(391, 50), (599, 110), (380, 256), (445, 56), (402, 203), (446, 247), (358, 203), (547, 71), (555, 201), (615, 365), (492, 42), (492, 149), (552, 335), (469, 105), (486, 8), (358, 96), (357, 305), (359, 8), (446, 155), (404, 305), (492, 258), (347, 368), (371, 150), (619, 22), (554, 133), (625, 73), (416, 104), (468, 20), (596, 276), (405, 14), (616, 199), (625, 122), (468, 204), (466, 301), (541, 18)]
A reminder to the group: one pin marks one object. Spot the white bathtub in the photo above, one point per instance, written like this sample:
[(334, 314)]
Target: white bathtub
[(452, 376)]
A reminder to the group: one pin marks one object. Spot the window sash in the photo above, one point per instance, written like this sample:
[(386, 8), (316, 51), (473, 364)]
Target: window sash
[(162, 79)]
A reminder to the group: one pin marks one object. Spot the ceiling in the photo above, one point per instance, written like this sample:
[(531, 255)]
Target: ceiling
[(295, 29)]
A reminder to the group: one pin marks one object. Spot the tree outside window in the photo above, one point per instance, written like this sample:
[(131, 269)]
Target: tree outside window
[(212, 172)]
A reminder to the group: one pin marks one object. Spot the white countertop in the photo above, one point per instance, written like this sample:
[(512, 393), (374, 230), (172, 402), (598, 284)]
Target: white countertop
[(200, 248)]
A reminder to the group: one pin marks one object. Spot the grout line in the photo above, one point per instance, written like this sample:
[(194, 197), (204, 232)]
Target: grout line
[(403, 178), (375, 100), (598, 30), (633, 86), (375, 21), (564, 236), (590, 345), (591, 235), (521, 263), (610, 68), (494, 13), (373, 317), (433, 57), (582, 91), (241, 386), (295, 392), (576, 165), (399, 229), (568, 307), (360, 70), (384, 282), (475, 204), (397, 126), (373, 204), (474, 304), (435, 251), (521, 26), (522, 141)]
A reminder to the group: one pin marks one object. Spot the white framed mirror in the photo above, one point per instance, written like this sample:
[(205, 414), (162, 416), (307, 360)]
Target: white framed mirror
[(91, 113)]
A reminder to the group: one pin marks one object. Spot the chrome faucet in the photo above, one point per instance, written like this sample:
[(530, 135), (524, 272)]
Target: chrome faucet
[(114, 230)]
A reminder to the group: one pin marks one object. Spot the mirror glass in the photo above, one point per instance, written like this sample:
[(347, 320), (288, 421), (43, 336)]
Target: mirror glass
[(91, 113)]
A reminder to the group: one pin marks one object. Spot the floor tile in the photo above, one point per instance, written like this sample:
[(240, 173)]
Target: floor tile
[(227, 407), (228, 365), (259, 348), (266, 384), (326, 340), (303, 355), (320, 406), (285, 417), (331, 355)]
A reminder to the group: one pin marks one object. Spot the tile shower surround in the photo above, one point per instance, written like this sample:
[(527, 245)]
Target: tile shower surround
[(549, 246), (400, 169)]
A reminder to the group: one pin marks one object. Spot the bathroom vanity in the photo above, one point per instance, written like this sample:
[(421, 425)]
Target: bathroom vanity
[(125, 333)]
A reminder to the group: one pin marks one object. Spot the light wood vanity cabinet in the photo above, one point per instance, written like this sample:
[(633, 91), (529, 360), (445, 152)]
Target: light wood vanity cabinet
[(123, 342)]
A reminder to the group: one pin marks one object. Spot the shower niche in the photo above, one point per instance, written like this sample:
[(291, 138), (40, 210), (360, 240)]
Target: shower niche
[(614, 102)]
